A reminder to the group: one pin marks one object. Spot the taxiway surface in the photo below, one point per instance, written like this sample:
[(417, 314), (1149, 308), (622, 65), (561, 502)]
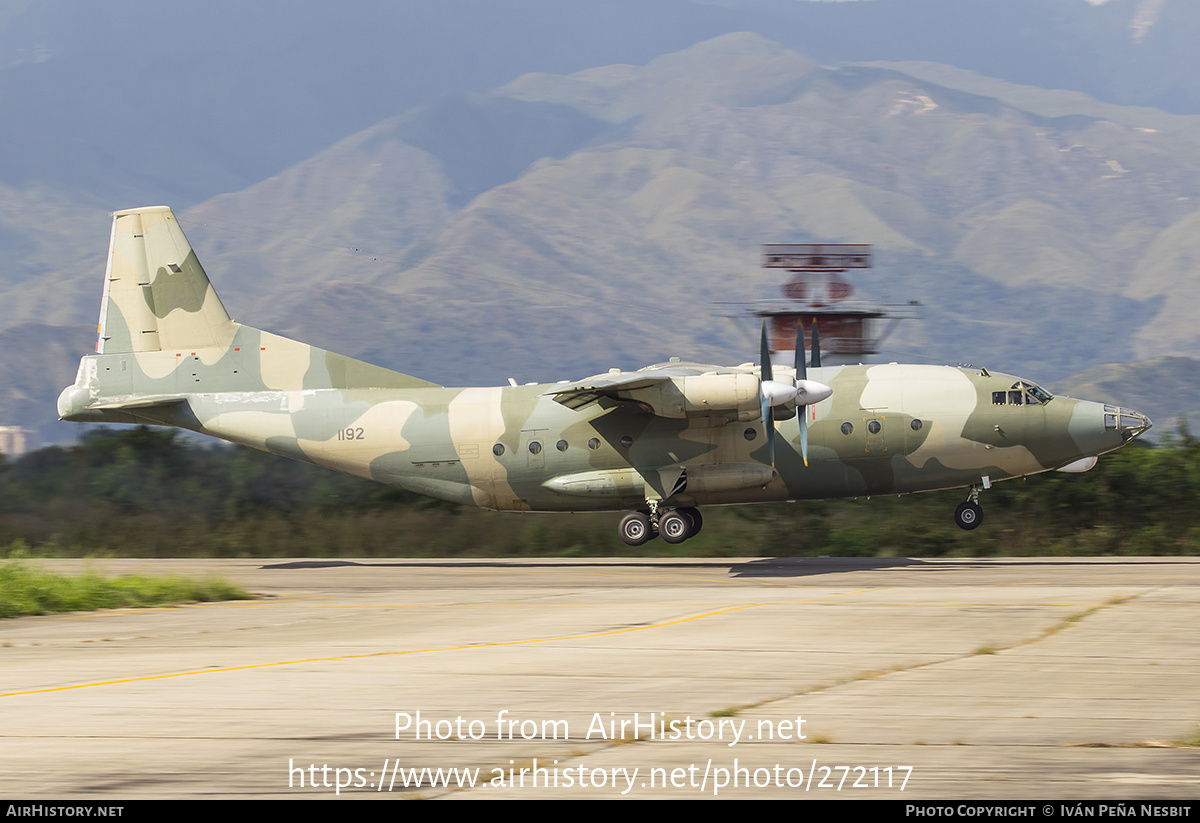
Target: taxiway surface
[(838, 678)]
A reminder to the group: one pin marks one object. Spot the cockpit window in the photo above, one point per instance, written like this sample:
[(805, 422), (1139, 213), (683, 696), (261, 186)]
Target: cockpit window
[(1041, 394), (1022, 394)]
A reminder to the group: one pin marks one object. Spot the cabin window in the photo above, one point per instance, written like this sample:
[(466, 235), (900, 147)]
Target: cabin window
[(847, 428), (915, 425), (594, 443), (561, 445), (498, 449), (874, 426), (750, 434), (535, 446), (626, 441)]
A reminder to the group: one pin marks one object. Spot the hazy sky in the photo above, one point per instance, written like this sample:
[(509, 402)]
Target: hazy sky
[(1093, 2)]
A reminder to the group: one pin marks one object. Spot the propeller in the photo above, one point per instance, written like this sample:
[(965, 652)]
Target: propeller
[(802, 392), (770, 393), (808, 392)]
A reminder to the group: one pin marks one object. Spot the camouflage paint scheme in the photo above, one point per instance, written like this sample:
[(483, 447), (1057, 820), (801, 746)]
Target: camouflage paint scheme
[(674, 434)]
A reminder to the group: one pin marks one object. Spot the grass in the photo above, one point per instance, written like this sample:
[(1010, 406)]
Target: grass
[(28, 590), (1072, 619), (1192, 741), (734, 711)]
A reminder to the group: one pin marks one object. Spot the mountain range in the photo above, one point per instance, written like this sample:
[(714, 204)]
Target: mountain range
[(562, 222)]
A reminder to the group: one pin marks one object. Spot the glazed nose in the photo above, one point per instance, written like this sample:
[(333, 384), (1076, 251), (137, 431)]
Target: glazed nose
[(1125, 421)]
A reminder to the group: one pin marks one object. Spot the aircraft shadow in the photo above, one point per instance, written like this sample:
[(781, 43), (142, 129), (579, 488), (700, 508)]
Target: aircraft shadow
[(765, 567)]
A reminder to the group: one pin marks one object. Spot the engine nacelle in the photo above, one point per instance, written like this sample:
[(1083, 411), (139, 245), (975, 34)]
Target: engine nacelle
[(736, 395)]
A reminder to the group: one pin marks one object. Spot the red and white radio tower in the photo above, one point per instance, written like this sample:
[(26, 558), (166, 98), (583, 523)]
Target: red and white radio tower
[(817, 291)]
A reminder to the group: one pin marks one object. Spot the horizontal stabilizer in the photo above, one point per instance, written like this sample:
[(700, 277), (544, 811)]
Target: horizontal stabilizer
[(140, 402)]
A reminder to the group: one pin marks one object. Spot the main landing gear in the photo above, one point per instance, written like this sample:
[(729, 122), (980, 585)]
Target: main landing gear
[(674, 526), (969, 515)]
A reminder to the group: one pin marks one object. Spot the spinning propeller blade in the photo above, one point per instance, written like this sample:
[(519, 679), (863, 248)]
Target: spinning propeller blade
[(802, 374), (800, 392), (764, 395), (808, 392)]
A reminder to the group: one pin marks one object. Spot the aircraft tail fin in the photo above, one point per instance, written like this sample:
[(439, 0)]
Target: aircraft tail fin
[(164, 333), (156, 294)]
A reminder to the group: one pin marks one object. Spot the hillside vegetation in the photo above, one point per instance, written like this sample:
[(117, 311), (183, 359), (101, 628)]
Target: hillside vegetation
[(149, 493)]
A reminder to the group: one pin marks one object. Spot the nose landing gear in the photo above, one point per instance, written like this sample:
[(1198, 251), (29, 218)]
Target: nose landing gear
[(969, 515)]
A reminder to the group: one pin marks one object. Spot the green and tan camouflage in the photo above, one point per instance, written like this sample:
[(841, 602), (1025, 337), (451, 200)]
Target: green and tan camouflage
[(660, 441)]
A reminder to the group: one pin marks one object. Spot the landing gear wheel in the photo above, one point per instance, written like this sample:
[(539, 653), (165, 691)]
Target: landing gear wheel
[(635, 528), (968, 515), (693, 514), (675, 527)]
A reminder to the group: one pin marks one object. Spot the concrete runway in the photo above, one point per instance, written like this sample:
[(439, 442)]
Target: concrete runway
[(1059, 678)]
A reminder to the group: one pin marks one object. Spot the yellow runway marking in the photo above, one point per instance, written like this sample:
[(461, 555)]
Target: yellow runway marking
[(742, 580), (390, 654)]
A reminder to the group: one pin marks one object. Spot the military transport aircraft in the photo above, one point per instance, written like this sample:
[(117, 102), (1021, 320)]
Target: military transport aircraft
[(659, 442)]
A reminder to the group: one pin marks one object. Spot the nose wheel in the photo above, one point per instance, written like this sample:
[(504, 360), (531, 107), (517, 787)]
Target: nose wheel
[(674, 526), (969, 515)]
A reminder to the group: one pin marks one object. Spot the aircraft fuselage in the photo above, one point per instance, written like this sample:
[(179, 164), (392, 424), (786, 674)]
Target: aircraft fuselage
[(887, 429), (662, 441)]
